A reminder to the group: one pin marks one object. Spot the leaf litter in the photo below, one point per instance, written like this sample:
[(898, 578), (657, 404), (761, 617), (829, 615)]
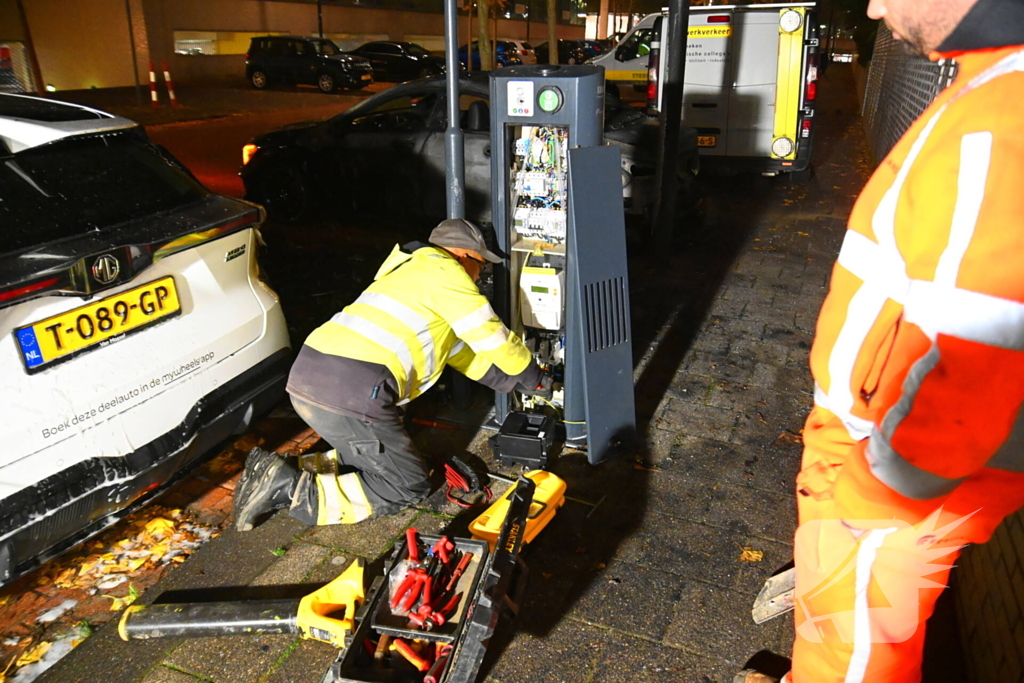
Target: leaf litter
[(163, 537)]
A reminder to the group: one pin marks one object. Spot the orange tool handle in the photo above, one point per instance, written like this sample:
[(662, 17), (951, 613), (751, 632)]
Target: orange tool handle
[(406, 651)]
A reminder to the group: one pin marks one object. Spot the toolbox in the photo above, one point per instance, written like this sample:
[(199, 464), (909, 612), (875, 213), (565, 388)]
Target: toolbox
[(493, 581), (547, 498), (526, 439)]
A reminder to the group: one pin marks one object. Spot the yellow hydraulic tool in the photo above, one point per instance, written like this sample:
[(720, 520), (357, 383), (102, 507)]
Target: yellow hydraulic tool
[(327, 614)]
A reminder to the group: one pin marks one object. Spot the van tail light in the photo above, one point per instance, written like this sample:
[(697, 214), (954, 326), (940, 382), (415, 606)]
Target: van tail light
[(718, 19), (812, 76), (247, 55), (805, 129), (247, 152)]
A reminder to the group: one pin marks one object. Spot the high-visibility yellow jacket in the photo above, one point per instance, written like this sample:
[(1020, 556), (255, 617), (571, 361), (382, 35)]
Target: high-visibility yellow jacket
[(422, 312), (919, 350)]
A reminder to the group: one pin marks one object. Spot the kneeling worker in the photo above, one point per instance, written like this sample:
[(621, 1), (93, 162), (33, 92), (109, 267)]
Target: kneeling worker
[(356, 371)]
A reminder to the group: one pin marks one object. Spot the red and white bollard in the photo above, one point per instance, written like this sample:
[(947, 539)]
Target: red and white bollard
[(153, 97), (170, 85)]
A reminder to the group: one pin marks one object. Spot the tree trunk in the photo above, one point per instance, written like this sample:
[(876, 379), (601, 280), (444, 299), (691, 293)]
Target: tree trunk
[(552, 32), (483, 36)]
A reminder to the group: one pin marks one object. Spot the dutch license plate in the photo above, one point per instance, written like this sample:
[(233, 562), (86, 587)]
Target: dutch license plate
[(97, 324), (707, 140), (366, 77)]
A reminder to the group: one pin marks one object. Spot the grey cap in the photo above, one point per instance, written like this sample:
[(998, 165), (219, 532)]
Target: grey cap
[(457, 233)]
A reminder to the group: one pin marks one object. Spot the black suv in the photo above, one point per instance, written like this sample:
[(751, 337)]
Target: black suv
[(313, 61)]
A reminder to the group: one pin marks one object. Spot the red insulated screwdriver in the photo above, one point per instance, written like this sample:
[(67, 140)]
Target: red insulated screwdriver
[(413, 543), (434, 675), (459, 571)]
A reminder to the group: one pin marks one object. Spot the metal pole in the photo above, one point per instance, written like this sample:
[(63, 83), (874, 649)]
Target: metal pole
[(135, 58), (454, 152), (320, 17), (673, 41), (529, 18)]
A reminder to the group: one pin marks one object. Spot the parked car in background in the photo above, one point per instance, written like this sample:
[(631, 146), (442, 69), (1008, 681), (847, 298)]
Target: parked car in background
[(135, 331), (526, 52), (308, 61), (386, 156), (592, 48), (507, 54), (400, 61), (569, 52)]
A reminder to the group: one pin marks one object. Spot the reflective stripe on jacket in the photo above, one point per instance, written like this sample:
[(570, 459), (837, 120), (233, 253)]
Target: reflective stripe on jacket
[(919, 349), (422, 312)]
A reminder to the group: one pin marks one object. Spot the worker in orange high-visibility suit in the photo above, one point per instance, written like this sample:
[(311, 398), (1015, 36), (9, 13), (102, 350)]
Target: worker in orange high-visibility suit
[(915, 445)]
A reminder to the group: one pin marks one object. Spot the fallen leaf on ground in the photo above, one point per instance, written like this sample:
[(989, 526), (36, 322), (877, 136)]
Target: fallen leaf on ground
[(748, 554), (646, 469), (790, 437), (33, 655)]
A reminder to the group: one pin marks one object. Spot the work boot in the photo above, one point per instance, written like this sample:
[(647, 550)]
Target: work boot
[(266, 485)]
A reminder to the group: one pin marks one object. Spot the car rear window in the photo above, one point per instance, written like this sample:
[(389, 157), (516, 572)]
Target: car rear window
[(84, 185)]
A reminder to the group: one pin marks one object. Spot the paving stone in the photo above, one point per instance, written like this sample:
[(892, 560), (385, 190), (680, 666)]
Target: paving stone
[(163, 674), (570, 653), (632, 660), (367, 539), (612, 598), (230, 659), (294, 566), (305, 664), (772, 468), (717, 623)]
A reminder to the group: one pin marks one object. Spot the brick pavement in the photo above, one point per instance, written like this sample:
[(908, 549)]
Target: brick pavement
[(646, 585)]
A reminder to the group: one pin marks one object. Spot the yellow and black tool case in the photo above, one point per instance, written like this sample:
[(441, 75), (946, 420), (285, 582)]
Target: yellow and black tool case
[(495, 581)]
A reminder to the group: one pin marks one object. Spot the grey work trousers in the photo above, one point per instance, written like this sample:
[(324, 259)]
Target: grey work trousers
[(393, 472)]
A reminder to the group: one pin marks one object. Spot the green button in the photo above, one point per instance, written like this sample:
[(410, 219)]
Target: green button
[(550, 100)]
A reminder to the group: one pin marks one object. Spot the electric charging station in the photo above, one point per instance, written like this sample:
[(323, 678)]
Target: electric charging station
[(558, 218)]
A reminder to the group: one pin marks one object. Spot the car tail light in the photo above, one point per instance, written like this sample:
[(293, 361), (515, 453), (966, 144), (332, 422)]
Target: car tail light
[(247, 152), (24, 290), (718, 19)]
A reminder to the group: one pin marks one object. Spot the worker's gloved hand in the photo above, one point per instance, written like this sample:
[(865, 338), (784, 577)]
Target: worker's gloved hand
[(542, 389)]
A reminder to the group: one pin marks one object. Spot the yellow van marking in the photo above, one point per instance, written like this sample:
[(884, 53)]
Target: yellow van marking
[(787, 89)]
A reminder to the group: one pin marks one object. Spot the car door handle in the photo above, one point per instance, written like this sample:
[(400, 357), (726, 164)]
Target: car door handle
[(487, 151)]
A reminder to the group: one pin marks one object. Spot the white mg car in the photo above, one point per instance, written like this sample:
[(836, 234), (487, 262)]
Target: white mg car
[(135, 331)]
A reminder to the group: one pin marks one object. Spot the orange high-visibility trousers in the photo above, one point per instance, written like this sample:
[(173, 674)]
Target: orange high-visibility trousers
[(864, 588)]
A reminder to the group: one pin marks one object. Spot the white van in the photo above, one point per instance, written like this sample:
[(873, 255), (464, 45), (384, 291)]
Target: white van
[(750, 79)]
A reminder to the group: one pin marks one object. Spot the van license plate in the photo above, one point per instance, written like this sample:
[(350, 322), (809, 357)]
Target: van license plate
[(97, 324), (707, 140)]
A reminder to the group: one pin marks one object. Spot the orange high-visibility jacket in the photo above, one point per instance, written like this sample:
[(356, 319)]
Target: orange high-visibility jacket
[(919, 349)]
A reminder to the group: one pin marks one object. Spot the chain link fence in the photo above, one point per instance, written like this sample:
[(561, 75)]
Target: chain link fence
[(15, 69), (900, 86)]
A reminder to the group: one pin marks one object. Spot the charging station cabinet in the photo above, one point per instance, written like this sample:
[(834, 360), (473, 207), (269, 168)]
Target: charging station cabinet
[(558, 219)]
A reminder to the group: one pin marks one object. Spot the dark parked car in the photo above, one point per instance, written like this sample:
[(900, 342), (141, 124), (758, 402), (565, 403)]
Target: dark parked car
[(311, 61), (507, 54), (386, 155), (569, 52), (592, 48), (400, 61)]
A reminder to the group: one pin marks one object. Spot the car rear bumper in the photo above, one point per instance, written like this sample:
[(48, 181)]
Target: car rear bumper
[(43, 520)]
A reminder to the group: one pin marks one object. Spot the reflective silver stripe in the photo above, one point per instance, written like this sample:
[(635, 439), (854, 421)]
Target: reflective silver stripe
[(416, 323), (1009, 64), (966, 315), (475, 319), (883, 280), (492, 342), (378, 335), (457, 348), (975, 156), (1010, 456), (911, 385), (861, 256), (333, 508), (862, 639), (903, 477), (352, 487)]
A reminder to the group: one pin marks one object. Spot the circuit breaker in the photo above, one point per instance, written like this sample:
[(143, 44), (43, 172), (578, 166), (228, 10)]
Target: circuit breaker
[(558, 219)]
